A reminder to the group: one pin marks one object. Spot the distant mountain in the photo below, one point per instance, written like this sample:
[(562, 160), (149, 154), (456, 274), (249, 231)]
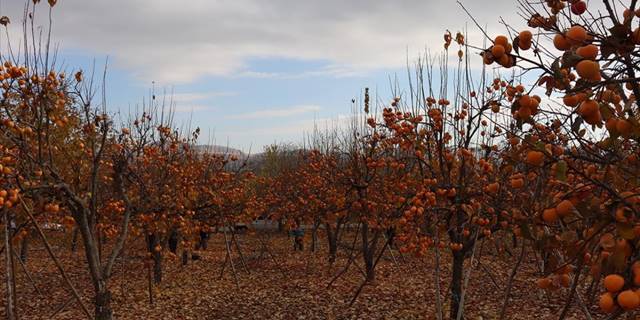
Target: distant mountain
[(218, 149)]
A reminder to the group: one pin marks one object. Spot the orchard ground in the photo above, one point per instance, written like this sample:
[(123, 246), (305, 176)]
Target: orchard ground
[(293, 288)]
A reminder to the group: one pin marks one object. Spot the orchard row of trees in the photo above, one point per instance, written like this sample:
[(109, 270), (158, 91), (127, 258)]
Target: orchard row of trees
[(66, 161), (460, 157)]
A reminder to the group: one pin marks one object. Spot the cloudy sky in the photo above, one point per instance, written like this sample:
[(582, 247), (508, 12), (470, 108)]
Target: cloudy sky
[(253, 72)]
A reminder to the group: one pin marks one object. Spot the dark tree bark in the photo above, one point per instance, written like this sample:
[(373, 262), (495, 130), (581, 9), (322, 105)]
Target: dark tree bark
[(10, 303), (391, 233), (332, 239), (24, 248), (280, 225), (203, 241), (173, 241), (456, 283), (368, 251), (314, 237), (74, 240), (103, 304), (185, 257), (157, 267), (153, 240)]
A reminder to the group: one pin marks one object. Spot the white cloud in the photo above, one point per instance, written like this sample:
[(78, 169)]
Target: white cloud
[(182, 108), (188, 97), (173, 41), (275, 113), (188, 102)]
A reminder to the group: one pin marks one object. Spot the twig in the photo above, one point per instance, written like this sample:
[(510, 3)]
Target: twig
[(393, 257), (507, 292), (366, 280), (9, 267), (273, 258), (242, 261), (466, 280), (488, 273), (24, 268), (565, 310), (437, 276), (584, 308), (351, 259), (60, 308), (233, 268)]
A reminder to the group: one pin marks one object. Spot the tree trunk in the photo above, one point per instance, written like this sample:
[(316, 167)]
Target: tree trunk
[(173, 241), (74, 240), (314, 237), (153, 240), (368, 263), (368, 250), (103, 303), (10, 307), (185, 257), (280, 225), (203, 241), (157, 266), (391, 234), (333, 243), (24, 248), (456, 283)]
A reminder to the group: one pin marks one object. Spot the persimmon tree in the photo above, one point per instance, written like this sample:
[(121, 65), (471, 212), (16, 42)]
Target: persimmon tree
[(67, 155), (158, 184), (444, 148), (586, 56), (325, 181)]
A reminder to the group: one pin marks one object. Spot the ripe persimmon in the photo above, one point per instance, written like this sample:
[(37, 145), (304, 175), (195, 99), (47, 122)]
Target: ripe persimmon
[(576, 35), (535, 158), (624, 127), (621, 215), (588, 108), (524, 113), (517, 183), (578, 7), (549, 215), (611, 125), (561, 42), (588, 69), (595, 118), (589, 51), (506, 61), (627, 14), (525, 38), (628, 300), (525, 101), (613, 282), (533, 105), (525, 35), (497, 51), (501, 40), (606, 302), (544, 283), (571, 100), (564, 208), (635, 36)]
